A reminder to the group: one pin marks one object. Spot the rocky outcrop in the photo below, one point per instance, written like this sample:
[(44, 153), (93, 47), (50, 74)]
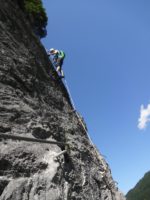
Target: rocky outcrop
[(36, 105)]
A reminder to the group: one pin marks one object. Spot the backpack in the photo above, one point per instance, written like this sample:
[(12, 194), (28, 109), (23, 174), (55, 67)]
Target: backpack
[(61, 54)]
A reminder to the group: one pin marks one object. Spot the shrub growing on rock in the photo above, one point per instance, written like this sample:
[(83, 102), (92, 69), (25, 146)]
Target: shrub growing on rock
[(37, 15)]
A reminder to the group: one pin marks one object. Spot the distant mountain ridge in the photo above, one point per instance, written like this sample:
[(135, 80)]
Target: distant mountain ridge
[(142, 189)]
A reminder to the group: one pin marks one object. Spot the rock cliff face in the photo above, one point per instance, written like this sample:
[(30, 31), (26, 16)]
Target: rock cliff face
[(35, 105)]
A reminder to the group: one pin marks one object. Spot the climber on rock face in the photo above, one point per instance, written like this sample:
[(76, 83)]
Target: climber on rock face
[(58, 58)]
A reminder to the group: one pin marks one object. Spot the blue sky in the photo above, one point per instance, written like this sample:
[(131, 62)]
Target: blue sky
[(107, 67)]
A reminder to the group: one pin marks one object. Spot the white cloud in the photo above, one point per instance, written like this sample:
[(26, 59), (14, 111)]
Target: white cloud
[(144, 117)]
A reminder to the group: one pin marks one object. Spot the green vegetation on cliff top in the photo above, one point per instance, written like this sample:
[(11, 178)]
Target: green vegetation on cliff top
[(37, 15)]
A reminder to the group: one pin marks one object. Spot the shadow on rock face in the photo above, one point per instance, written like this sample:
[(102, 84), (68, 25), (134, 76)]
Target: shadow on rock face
[(4, 164), (3, 184), (4, 129), (40, 133)]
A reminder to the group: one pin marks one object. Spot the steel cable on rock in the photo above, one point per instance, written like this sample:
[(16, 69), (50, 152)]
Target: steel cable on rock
[(91, 142), (82, 124)]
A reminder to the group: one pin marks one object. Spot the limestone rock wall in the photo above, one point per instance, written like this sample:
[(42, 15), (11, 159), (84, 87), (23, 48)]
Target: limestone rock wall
[(32, 104)]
